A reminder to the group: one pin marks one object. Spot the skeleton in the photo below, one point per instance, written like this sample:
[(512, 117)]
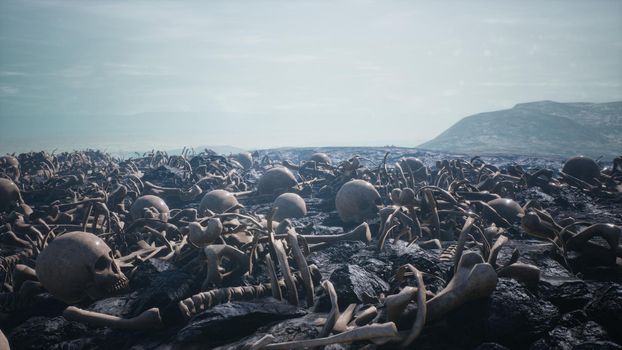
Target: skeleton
[(424, 206)]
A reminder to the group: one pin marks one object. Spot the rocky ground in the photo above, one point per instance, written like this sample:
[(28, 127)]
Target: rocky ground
[(575, 304)]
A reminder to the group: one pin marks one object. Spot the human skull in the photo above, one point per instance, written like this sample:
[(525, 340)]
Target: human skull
[(217, 201), (277, 178), (245, 159), (320, 158), (9, 194), (507, 208), (356, 201), (149, 206), (583, 168), (411, 162), (10, 165), (289, 205), (77, 265)]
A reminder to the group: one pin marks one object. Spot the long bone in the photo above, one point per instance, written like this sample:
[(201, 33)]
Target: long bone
[(146, 320), (359, 233), (370, 332)]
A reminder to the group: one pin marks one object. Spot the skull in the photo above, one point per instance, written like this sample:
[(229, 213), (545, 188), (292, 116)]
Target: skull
[(289, 205), (10, 165), (508, 209), (217, 201), (276, 179), (245, 159), (320, 158), (9, 194), (79, 264), (583, 168), (149, 206), (356, 201)]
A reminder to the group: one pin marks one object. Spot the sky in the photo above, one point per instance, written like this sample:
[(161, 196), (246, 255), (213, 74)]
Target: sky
[(136, 75)]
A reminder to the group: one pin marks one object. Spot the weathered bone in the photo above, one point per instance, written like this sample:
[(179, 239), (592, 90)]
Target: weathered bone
[(333, 315), (79, 264), (473, 280), (301, 261), (147, 320), (356, 201), (375, 331), (200, 236), (214, 253)]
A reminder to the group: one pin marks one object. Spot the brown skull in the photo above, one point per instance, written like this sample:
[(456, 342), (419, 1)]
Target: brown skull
[(356, 201), (79, 264)]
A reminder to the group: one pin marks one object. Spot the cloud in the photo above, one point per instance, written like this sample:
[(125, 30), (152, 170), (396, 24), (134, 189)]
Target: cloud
[(6, 90)]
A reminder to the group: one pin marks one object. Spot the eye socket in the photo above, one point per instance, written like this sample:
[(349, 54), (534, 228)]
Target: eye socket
[(101, 263)]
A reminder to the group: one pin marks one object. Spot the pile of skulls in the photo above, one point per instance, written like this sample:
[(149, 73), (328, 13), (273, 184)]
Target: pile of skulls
[(78, 226)]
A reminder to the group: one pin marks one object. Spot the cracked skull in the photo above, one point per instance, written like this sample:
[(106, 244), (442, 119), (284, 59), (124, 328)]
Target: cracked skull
[(79, 264)]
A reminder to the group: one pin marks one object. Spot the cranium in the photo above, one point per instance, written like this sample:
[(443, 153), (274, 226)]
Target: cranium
[(245, 159), (277, 178), (356, 201), (79, 264), (320, 158), (289, 205), (583, 168), (10, 165), (9, 194), (217, 201), (152, 204), (507, 208)]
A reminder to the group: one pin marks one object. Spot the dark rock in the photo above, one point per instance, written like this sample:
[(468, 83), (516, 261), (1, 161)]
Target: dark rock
[(573, 331), (516, 317), (565, 293), (227, 322), (435, 271), (43, 332), (288, 330), (168, 286), (353, 283), (606, 309), (327, 260), (490, 346)]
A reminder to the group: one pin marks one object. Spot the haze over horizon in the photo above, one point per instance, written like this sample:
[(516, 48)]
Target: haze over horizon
[(135, 75)]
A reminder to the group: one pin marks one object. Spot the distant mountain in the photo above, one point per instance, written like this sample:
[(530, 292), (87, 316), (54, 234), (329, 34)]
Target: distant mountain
[(543, 128)]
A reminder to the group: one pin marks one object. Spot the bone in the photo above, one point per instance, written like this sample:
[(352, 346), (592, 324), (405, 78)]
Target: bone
[(364, 316), (333, 315), (301, 261), (473, 280), (421, 309), (375, 331), (214, 253), (149, 319), (341, 325), (525, 273)]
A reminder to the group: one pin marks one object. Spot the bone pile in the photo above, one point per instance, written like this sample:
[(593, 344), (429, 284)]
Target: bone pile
[(100, 252)]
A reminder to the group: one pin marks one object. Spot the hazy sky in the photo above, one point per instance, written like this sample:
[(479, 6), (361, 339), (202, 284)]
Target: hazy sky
[(253, 74)]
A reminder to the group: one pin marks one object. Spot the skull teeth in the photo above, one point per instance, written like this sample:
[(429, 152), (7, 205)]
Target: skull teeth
[(121, 284)]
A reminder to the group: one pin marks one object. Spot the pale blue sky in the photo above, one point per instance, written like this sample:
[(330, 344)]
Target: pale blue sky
[(142, 74)]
